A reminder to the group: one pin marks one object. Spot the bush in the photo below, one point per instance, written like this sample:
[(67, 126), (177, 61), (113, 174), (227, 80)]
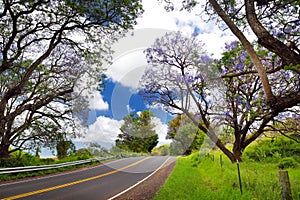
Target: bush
[(11, 162), (288, 162), (18, 159), (272, 150)]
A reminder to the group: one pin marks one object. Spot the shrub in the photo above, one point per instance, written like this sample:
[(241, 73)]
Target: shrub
[(11, 162), (272, 150), (288, 162)]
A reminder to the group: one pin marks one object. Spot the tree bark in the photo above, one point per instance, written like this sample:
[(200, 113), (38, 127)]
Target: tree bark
[(288, 56), (253, 56), (4, 151)]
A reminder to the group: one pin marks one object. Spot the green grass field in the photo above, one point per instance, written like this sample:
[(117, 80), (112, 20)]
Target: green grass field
[(200, 177)]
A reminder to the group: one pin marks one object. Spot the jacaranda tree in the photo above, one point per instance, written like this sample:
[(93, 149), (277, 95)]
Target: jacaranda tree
[(183, 79), (51, 51), (245, 110), (216, 93)]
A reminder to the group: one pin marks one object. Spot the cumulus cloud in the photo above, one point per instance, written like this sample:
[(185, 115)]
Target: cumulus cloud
[(103, 130), (161, 129), (96, 102)]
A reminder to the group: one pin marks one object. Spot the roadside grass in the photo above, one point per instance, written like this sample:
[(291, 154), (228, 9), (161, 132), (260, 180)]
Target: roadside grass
[(200, 177)]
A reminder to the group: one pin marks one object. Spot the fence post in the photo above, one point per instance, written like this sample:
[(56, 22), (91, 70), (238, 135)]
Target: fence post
[(239, 175), (285, 186)]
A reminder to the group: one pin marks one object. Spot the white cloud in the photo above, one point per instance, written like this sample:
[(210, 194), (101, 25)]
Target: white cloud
[(96, 102), (128, 69), (104, 130), (161, 129), (155, 16)]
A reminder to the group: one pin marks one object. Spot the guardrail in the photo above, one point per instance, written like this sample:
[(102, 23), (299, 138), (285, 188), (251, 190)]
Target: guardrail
[(53, 166)]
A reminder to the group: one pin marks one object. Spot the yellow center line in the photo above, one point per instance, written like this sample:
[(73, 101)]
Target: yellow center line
[(72, 183)]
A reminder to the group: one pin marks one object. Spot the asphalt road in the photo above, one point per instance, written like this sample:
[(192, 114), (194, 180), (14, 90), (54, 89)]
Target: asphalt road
[(99, 182)]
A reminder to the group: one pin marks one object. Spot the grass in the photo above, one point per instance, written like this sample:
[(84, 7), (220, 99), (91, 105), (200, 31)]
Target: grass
[(199, 177)]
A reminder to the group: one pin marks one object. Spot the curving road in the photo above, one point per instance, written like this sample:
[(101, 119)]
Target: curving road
[(99, 182)]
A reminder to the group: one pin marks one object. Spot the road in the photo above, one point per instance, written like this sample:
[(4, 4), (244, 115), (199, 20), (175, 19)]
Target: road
[(99, 182)]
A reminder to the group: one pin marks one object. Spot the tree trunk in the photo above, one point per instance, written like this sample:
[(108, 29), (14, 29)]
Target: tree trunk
[(253, 56), (233, 156), (237, 152), (4, 153)]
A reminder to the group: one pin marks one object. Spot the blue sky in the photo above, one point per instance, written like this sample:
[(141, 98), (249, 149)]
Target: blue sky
[(125, 101)]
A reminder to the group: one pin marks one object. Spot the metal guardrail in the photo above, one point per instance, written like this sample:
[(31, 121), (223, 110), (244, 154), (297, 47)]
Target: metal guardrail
[(53, 166)]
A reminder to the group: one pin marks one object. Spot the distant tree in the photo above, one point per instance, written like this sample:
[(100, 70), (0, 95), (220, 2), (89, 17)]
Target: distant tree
[(64, 147), (137, 133), (51, 52), (185, 135), (83, 152), (97, 150)]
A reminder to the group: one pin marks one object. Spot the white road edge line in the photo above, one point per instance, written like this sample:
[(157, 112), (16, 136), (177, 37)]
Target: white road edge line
[(139, 182)]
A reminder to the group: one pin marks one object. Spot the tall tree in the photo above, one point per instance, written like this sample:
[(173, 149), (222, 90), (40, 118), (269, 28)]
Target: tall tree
[(51, 51), (182, 79), (138, 134), (229, 93), (246, 112)]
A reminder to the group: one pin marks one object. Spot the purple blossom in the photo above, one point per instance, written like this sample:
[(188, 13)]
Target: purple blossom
[(230, 46), (240, 66), (227, 114), (190, 79)]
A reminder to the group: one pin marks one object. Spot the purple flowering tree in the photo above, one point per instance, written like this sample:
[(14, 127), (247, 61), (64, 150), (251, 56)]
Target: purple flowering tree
[(214, 94), (246, 112), (50, 52), (275, 24)]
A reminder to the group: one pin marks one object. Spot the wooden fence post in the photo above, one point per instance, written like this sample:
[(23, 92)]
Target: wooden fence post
[(285, 186)]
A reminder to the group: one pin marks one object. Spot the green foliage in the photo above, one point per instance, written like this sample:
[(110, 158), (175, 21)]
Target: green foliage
[(19, 159), (288, 162), (64, 147), (97, 150), (272, 150), (292, 67), (162, 150), (83, 153), (138, 134), (185, 135)]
